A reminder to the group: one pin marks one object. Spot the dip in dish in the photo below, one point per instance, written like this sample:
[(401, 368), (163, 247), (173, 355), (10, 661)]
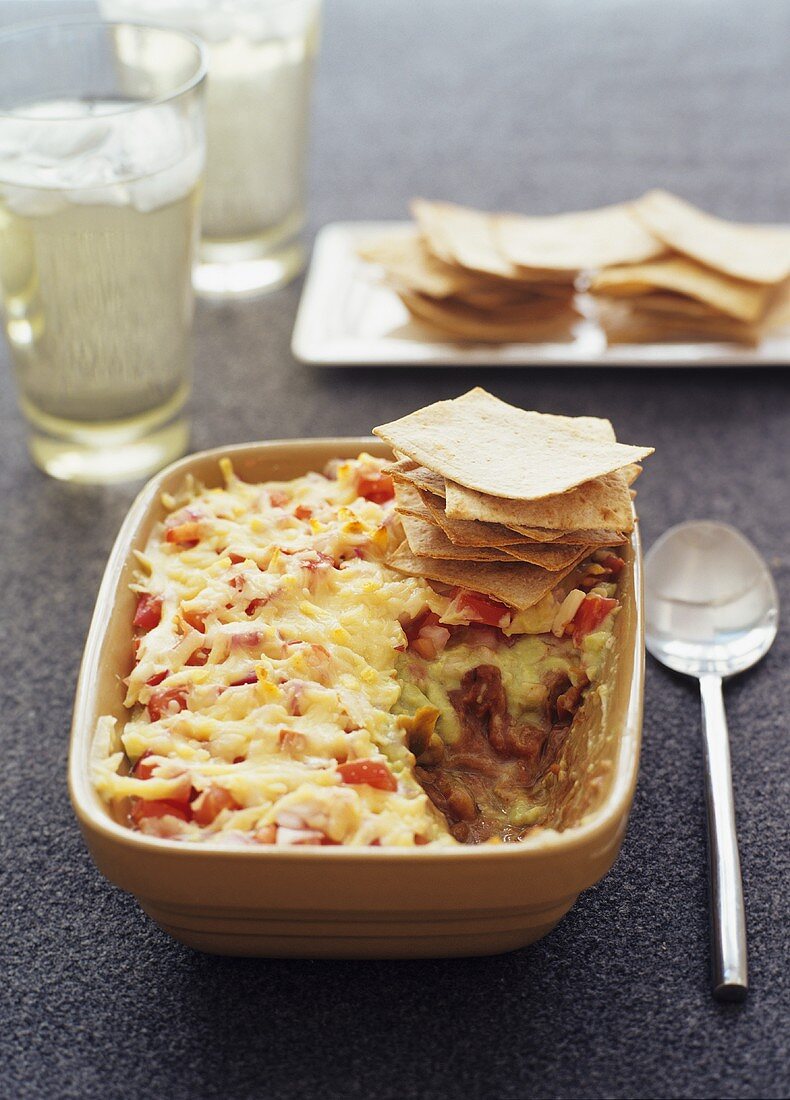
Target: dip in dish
[(291, 687)]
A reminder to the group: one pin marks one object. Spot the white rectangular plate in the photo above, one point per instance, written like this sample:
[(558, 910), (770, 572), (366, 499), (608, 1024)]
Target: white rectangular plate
[(348, 317)]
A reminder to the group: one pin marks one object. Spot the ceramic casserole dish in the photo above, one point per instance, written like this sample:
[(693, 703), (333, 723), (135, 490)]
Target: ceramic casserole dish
[(354, 902)]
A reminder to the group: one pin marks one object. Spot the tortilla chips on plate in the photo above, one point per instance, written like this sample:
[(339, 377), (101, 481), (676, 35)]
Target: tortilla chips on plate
[(658, 269)]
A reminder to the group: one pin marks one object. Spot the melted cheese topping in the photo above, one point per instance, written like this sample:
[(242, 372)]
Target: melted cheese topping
[(273, 662)]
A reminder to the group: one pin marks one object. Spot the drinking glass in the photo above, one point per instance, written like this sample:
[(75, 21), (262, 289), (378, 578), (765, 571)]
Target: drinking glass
[(101, 159), (261, 55)]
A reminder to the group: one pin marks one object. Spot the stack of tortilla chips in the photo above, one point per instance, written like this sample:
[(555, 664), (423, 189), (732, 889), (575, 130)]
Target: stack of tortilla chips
[(487, 277), (506, 502), (718, 280)]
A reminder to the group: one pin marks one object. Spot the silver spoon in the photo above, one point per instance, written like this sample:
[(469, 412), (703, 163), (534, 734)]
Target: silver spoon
[(712, 611)]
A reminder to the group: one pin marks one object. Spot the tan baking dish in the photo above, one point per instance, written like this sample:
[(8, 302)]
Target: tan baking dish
[(351, 903)]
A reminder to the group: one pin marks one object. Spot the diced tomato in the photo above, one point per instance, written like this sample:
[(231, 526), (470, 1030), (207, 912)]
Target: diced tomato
[(143, 769), (199, 657), (185, 534), (166, 702), (376, 487), (143, 808), (195, 620), (180, 796), (611, 562), (372, 772), (149, 611), (277, 498), (211, 803), (592, 612), (250, 678), (236, 559), (157, 679), (480, 609), (303, 511), (253, 606)]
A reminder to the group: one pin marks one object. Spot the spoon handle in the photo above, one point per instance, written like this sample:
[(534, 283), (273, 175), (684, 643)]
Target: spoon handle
[(728, 923)]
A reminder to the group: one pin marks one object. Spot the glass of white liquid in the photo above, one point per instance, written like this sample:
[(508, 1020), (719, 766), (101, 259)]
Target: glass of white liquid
[(101, 162), (261, 55)]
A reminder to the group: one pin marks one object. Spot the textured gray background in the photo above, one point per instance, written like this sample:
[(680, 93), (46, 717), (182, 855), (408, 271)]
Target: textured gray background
[(535, 105)]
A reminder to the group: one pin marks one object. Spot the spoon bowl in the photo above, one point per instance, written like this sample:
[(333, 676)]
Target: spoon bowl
[(711, 605)]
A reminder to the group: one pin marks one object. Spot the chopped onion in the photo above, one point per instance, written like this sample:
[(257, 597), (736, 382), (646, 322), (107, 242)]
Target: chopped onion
[(567, 609), (298, 836)]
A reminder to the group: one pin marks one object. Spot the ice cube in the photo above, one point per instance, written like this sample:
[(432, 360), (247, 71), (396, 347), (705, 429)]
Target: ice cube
[(64, 139)]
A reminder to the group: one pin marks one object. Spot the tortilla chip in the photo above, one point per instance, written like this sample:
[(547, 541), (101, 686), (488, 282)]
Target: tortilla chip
[(779, 313), (527, 309), (536, 321), (458, 530), (462, 236), (663, 302), (585, 537), (401, 465), (495, 297), (485, 444), (731, 297), (425, 539), (629, 325), (409, 502), (539, 301), (420, 476), (519, 585), (714, 325), (411, 265), (495, 300), (604, 503), (412, 501), (573, 242), (757, 253), (467, 533), (549, 555)]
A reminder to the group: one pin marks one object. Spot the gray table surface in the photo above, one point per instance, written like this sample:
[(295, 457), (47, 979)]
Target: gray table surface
[(540, 106)]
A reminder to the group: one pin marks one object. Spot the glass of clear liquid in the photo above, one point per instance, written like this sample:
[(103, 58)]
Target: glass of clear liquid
[(102, 152), (261, 55)]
